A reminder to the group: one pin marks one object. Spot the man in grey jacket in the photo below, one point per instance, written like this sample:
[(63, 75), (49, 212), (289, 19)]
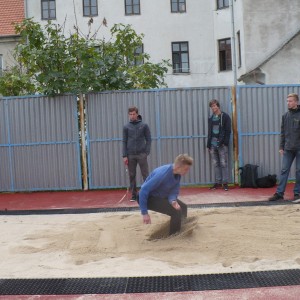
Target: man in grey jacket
[(289, 148), (136, 147)]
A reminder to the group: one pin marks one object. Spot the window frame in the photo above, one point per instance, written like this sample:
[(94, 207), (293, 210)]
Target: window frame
[(89, 8), (179, 54), (179, 5), (225, 55), (43, 17), (222, 5), (137, 61), (132, 5)]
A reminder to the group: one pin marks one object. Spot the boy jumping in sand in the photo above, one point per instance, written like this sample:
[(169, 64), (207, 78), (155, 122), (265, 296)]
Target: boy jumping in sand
[(160, 191)]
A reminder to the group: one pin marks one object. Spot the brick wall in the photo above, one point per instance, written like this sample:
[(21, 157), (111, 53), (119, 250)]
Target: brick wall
[(10, 11)]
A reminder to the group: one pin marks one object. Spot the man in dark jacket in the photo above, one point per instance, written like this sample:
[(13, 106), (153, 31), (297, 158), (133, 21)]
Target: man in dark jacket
[(289, 148), (219, 130), (136, 147)]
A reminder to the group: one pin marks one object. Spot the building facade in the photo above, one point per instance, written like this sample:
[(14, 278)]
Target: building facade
[(208, 42), (10, 12)]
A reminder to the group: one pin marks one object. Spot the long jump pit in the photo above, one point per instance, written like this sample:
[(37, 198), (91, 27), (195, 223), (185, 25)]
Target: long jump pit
[(112, 251)]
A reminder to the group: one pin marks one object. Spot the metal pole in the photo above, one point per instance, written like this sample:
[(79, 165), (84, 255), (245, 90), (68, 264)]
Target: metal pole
[(83, 143), (235, 136)]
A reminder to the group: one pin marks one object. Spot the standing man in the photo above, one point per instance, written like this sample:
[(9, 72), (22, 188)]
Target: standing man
[(136, 147), (289, 148), (160, 191), (219, 130)]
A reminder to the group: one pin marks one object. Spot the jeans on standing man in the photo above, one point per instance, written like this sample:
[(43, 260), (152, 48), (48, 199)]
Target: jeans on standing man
[(289, 148), (287, 160), (133, 161), (219, 157)]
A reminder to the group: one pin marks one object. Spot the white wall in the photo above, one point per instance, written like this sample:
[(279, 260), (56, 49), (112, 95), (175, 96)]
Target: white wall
[(161, 27), (283, 68), (7, 45), (267, 25), (263, 26)]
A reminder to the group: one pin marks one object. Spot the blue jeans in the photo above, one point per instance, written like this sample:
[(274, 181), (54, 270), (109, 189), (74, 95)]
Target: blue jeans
[(219, 157), (287, 160)]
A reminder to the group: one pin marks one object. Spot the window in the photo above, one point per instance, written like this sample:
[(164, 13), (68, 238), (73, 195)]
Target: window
[(48, 9), (225, 55), (1, 64), (137, 59), (178, 6), (90, 8), (180, 57), (239, 49), (222, 4), (132, 7)]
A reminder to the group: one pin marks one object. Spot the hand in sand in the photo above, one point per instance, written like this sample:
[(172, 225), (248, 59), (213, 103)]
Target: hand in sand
[(146, 219)]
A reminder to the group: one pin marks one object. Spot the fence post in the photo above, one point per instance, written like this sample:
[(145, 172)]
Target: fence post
[(83, 143), (235, 136)]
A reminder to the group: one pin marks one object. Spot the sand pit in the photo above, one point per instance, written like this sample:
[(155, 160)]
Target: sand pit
[(214, 240)]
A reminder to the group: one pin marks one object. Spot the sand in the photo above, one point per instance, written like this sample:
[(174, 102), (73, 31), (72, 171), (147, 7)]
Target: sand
[(212, 240)]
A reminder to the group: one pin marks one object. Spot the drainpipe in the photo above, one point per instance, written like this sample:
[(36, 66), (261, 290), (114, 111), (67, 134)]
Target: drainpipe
[(25, 9), (233, 99), (233, 53)]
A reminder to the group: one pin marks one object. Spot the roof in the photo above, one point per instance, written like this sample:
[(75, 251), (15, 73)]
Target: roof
[(10, 11)]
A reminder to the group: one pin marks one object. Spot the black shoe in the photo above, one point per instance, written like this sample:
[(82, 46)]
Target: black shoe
[(133, 198), (225, 187), (296, 198), (276, 197), (215, 186)]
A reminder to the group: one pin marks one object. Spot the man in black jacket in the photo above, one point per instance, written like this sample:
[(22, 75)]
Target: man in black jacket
[(219, 130), (289, 148), (136, 147)]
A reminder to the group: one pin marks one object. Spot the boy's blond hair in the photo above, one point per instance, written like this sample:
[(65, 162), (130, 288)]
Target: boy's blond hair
[(294, 96), (183, 159)]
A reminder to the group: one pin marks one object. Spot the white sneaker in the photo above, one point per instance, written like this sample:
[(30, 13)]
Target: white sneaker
[(296, 201), (133, 198)]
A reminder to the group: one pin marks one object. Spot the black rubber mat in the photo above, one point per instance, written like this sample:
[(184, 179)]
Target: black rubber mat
[(128, 285), (125, 209)]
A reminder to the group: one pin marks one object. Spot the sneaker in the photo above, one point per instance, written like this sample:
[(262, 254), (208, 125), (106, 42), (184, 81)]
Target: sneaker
[(133, 198), (215, 186), (296, 198), (276, 197), (225, 187)]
